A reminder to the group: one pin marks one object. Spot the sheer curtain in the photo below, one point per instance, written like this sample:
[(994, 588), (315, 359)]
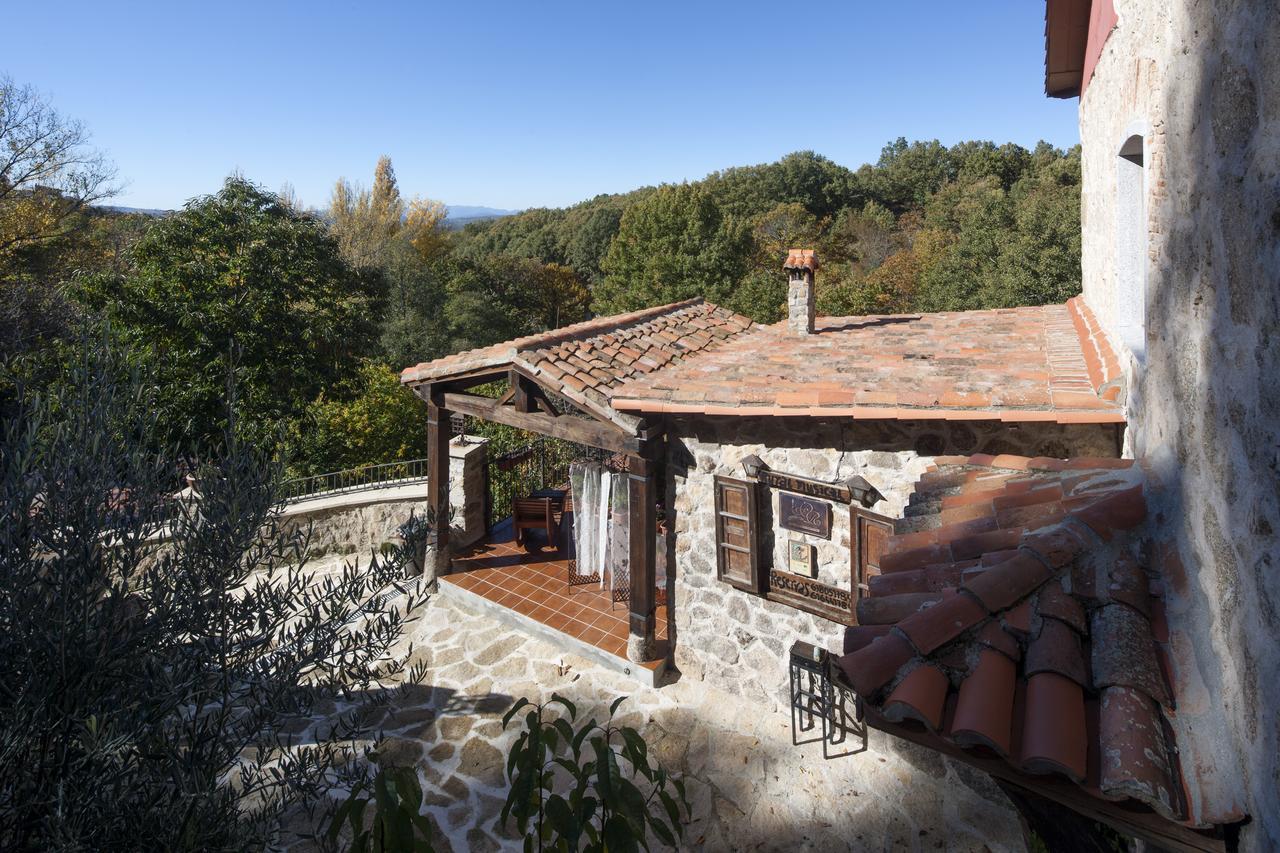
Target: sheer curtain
[(601, 524), (619, 550)]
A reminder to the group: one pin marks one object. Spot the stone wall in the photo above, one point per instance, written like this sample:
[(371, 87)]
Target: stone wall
[(1203, 79), (739, 641), (363, 522), (354, 528)]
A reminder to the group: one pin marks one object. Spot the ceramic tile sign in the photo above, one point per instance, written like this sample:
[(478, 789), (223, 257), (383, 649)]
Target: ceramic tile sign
[(804, 515), (800, 559)]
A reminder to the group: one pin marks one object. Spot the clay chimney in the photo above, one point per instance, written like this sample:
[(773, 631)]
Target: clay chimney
[(800, 266)]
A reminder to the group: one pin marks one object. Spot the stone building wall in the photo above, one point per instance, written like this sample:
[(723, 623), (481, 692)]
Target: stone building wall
[(1204, 80), (739, 641)]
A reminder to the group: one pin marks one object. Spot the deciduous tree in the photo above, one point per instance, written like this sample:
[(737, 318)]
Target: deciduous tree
[(240, 282), (675, 244), (48, 171)]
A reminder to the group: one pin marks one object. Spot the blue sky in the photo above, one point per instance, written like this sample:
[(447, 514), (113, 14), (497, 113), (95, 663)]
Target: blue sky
[(524, 104)]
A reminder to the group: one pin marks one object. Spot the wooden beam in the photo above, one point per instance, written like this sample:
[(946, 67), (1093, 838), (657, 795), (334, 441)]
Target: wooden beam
[(471, 380), (642, 498), (651, 429), (539, 395), (438, 470), (581, 430)]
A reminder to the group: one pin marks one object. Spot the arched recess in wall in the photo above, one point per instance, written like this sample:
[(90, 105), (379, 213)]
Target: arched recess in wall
[(1131, 245)]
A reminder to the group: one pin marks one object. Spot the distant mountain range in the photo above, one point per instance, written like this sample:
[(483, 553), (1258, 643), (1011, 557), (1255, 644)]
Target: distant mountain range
[(145, 211), (458, 216), (464, 213)]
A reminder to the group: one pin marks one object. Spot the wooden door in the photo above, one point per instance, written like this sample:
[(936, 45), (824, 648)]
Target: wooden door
[(871, 532)]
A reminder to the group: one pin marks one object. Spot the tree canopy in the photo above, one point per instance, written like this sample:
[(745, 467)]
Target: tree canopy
[(238, 281), (315, 313), (926, 227)]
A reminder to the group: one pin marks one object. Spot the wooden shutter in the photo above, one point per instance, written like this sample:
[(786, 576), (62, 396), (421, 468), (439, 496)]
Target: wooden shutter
[(737, 548), (871, 535)]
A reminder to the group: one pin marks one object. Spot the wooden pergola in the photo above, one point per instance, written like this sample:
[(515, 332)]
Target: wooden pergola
[(560, 383), (527, 404)]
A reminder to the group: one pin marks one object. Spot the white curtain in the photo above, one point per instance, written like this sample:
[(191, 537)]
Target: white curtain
[(600, 523), (619, 549), (602, 519), (584, 481)]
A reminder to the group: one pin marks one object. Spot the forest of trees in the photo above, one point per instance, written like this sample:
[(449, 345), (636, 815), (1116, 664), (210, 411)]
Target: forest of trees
[(315, 311)]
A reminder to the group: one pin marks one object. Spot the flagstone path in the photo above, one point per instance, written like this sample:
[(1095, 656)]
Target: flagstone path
[(750, 788)]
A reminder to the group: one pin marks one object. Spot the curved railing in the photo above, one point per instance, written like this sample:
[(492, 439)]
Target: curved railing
[(358, 479)]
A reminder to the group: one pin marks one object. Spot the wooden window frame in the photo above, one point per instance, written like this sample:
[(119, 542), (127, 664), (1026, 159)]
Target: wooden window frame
[(859, 582), (754, 584)]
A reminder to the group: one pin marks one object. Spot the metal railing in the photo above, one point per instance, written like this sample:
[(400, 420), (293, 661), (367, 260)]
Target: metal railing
[(356, 479)]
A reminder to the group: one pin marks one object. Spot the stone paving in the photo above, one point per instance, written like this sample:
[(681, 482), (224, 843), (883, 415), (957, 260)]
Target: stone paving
[(750, 788)]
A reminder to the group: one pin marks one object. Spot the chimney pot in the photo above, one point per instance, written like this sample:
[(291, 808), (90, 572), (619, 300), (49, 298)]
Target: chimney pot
[(801, 264)]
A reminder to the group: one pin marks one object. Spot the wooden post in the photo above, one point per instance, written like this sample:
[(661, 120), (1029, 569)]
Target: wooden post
[(520, 397), (641, 500), (438, 474)]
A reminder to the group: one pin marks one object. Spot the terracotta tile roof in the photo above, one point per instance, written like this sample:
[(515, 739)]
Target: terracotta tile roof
[(1048, 363), (801, 259), (586, 362), (1012, 619), (1099, 358)]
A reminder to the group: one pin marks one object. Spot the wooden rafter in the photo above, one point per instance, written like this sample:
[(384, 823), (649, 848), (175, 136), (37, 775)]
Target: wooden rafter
[(568, 427)]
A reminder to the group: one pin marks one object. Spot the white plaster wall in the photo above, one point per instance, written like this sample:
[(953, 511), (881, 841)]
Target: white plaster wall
[(1204, 411)]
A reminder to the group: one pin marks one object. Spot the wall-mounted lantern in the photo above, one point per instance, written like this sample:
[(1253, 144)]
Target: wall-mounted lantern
[(752, 466), (863, 492)]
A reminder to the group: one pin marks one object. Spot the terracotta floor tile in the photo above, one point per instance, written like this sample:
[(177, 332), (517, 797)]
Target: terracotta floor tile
[(569, 608), (542, 613), (594, 636), (535, 584)]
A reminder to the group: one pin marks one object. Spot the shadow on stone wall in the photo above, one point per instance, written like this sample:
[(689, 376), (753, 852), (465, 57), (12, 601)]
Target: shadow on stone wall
[(925, 437), (1209, 409)]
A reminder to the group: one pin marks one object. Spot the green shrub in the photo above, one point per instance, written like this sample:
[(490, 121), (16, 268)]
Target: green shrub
[(161, 657), (586, 786)]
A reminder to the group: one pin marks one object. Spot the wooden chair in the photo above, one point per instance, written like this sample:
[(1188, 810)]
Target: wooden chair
[(535, 514)]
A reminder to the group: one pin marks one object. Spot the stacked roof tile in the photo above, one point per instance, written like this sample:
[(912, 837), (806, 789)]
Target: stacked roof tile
[(801, 259), (588, 361), (1013, 619)]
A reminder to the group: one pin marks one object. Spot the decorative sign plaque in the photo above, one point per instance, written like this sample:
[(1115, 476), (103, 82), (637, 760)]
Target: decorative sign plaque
[(800, 558), (804, 515), (805, 486)]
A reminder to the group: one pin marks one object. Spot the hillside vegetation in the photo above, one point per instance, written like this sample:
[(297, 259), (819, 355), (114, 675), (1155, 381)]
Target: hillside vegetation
[(314, 313), (925, 228)]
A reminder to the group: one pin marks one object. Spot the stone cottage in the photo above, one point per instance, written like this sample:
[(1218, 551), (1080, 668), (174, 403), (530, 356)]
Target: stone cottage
[(1039, 541)]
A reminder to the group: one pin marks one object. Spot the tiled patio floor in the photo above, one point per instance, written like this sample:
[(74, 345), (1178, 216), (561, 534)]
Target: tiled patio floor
[(535, 583)]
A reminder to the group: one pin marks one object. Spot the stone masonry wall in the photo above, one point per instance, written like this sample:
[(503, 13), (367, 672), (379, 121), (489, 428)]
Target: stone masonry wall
[(361, 522), (354, 528), (1203, 79), (739, 641)]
